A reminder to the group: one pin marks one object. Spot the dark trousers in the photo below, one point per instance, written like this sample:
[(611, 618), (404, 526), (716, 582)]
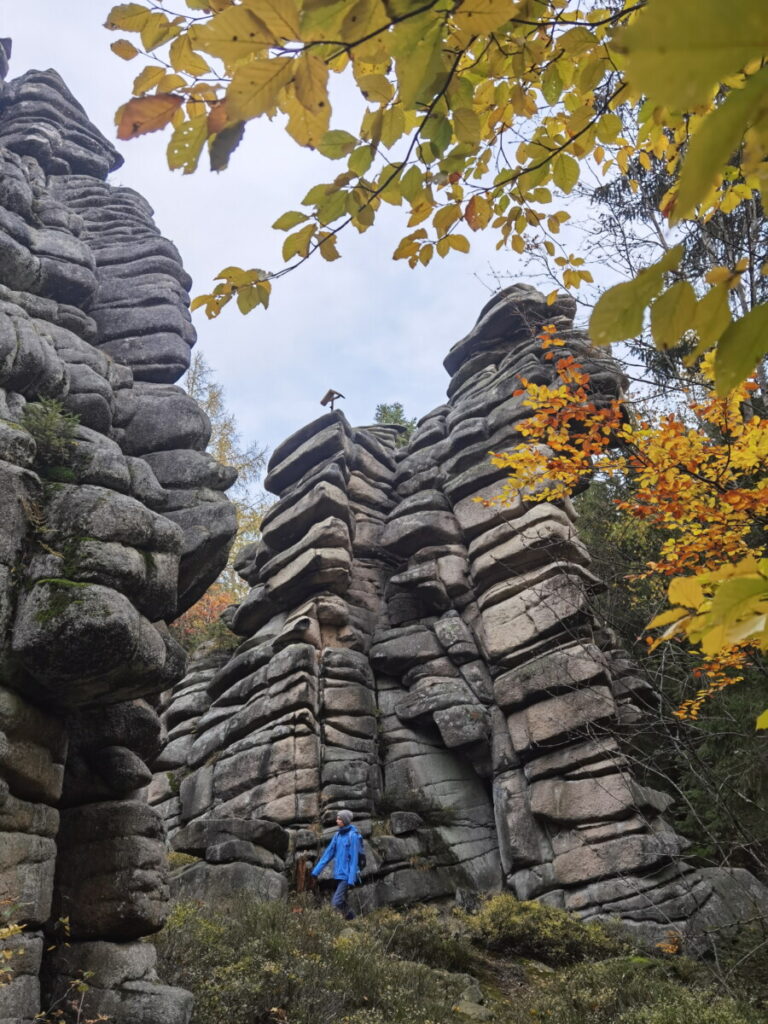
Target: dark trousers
[(339, 900)]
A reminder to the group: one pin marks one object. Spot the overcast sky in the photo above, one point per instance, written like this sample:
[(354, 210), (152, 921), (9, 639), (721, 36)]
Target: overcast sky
[(366, 325)]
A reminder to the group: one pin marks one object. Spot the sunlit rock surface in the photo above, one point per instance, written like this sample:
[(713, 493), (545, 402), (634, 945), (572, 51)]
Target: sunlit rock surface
[(100, 549)]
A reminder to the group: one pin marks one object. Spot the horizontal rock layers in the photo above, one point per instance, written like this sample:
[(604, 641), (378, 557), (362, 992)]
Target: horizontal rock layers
[(430, 659), (114, 522)]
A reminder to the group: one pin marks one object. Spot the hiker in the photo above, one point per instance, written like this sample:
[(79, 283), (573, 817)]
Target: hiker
[(346, 852)]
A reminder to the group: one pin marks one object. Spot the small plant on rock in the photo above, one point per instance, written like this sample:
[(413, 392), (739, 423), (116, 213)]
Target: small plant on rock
[(54, 431)]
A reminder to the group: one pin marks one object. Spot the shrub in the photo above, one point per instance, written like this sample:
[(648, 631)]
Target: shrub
[(629, 990), (54, 431), (246, 962), (507, 925), (423, 934)]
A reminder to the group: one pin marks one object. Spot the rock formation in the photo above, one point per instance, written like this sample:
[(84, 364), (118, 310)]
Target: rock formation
[(115, 521), (427, 660), (430, 660)]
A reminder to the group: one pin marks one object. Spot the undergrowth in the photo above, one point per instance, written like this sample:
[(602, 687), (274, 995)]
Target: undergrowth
[(295, 963)]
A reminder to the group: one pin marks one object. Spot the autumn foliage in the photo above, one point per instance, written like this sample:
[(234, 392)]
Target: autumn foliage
[(202, 622), (700, 476), (474, 116)]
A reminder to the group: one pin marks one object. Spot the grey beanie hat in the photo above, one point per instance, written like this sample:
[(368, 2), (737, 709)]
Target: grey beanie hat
[(345, 816)]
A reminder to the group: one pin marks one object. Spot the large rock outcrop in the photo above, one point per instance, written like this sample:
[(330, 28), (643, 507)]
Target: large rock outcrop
[(431, 660), (114, 522)]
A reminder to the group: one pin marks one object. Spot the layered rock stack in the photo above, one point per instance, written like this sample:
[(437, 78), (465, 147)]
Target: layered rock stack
[(430, 659), (114, 521)]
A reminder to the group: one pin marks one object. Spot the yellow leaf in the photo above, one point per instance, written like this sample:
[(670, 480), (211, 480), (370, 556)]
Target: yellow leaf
[(376, 88), (328, 248), (307, 127), (565, 172), (129, 17), (717, 275), (147, 114), (157, 30), (148, 79), (169, 83), (298, 243), (256, 85), (762, 721), (187, 143), (311, 83), (677, 53), (184, 58), (687, 591), (667, 617), (289, 220), (481, 17), (280, 16), (717, 139), (392, 125), (233, 35), (445, 217), (458, 242), (124, 49)]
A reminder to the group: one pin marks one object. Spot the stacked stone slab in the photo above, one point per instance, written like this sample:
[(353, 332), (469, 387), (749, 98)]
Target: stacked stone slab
[(429, 658), (97, 555)]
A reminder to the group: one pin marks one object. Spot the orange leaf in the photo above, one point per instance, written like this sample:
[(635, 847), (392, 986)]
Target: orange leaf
[(147, 114), (217, 118)]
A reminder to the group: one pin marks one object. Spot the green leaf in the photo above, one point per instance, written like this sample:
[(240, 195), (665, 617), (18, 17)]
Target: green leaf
[(289, 220), (551, 84), (360, 160), (741, 348), (618, 314), (672, 314), (716, 140), (332, 207), (336, 143), (417, 46), (224, 145), (466, 125), (713, 315), (677, 53)]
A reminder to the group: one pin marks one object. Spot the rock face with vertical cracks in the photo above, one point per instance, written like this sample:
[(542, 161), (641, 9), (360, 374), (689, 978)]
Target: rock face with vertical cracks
[(113, 524), (432, 662)]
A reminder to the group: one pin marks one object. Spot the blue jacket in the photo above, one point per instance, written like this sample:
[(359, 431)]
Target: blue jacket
[(344, 849)]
